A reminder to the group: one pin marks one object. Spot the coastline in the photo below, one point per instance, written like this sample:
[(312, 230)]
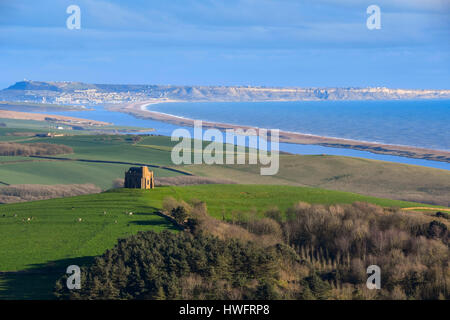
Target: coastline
[(139, 110), (8, 114)]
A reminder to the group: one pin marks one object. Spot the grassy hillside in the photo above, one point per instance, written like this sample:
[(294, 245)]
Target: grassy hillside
[(67, 231), (118, 148), (25, 170), (54, 232), (257, 198), (66, 172), (363, 176), (54, 238), (16, 125)]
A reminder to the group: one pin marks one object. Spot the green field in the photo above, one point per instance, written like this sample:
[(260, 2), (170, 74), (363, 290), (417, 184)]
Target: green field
[(17, 125), (27, 170), (363, 176), (54, 233), (66, 172), (36, 126), (54, 238), (35, 253), (118, 148)]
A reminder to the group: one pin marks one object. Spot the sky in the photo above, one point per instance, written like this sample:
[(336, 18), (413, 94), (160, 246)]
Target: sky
[(283, 43)]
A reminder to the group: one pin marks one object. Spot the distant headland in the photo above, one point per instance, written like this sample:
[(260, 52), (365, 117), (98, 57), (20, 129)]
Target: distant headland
[(84, 93)]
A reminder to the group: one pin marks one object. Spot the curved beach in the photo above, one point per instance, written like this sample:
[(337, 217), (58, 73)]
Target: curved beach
[(139, 109)]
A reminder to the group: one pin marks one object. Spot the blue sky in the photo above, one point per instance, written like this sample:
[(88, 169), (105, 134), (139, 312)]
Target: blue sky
[(228, 42)]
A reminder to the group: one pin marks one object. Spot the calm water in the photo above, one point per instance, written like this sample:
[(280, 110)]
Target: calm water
[(412, 123), (166, 129)]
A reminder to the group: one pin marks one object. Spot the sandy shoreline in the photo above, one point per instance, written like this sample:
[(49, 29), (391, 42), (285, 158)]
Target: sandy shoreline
[(6, 114), (139, 110)]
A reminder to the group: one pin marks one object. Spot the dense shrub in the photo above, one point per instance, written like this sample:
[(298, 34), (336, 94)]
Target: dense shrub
[(441, 214), (178, 266), (32, 149), (306, 252), (264, 226), (179, 214), (341, 241)]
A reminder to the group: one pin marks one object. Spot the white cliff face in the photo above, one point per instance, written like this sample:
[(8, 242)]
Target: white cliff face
[(81, 93)]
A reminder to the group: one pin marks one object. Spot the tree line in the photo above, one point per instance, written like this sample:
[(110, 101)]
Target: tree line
[(32, 149)]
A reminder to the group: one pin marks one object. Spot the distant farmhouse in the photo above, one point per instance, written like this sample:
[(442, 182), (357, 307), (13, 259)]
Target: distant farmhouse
[(139, 178), (49, 135)]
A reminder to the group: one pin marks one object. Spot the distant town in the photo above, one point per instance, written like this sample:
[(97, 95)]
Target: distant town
[(77, 93)]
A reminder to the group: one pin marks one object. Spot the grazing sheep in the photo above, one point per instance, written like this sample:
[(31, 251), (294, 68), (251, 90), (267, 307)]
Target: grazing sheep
[(130, 213), (79, 219), (115, 221)]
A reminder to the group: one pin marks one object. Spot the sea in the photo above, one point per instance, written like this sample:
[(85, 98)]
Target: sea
[(412, 123), (419, 123)]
